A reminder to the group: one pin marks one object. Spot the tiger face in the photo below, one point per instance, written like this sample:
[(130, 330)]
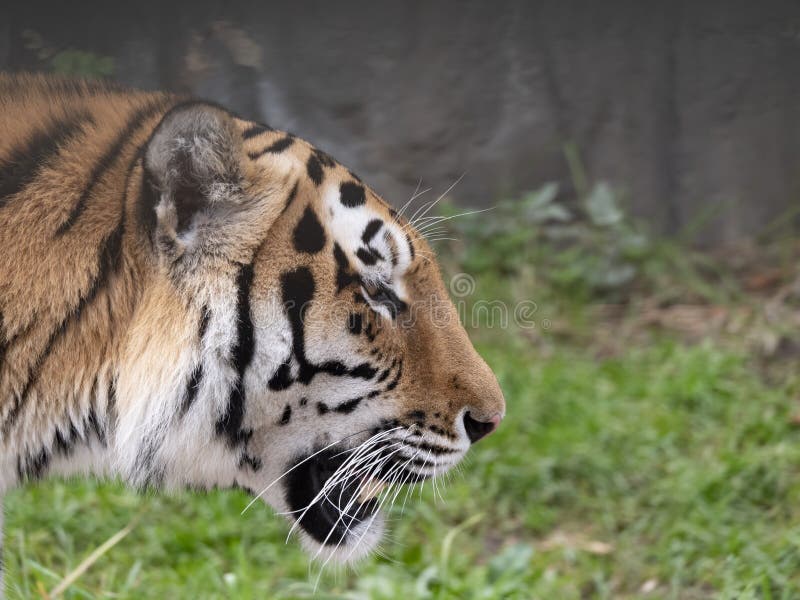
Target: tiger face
[(281, 329), (354, 368)]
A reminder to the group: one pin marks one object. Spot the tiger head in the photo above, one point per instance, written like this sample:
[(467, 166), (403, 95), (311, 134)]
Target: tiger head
[(306, 346)]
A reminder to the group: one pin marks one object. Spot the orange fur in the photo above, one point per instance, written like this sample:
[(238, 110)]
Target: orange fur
[(131, 220)]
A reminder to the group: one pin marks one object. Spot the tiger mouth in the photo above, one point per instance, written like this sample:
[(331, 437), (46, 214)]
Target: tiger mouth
[(328, 504)]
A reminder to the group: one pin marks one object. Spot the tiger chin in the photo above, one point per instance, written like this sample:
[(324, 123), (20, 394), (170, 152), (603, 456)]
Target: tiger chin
[(189, 299)]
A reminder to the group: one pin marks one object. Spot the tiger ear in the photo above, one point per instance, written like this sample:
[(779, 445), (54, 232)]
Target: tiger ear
[(192, 169)]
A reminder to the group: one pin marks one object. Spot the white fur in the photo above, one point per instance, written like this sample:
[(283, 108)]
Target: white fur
[(155, 443)]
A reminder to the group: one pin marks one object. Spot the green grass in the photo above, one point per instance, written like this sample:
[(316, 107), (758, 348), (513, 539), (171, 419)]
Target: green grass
[(670, 468)]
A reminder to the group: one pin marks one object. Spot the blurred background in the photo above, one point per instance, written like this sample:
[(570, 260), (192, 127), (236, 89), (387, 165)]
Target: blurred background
[(634, 282)]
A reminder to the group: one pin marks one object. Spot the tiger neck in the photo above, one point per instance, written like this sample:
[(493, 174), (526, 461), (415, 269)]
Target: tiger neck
[(58, 394)]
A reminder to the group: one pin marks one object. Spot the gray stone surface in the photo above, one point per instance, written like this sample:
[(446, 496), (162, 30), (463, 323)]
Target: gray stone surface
[(688, 107)]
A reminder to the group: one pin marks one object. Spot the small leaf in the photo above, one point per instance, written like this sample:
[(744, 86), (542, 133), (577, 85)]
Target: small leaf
[(601, 205), (612, 276), (512, 560), (540, 206), (543, 196)]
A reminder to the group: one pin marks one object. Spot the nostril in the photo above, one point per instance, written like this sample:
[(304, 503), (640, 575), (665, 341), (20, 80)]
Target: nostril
[(479, 429)]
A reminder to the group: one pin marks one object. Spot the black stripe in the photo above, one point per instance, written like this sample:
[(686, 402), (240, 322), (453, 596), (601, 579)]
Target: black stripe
[(274, 148), (344, 275), (355, 323), (410, 246), (32, 466), (193, 385), (395, 255), (107, 160), (243, 351), (111, 402), (108, 261), (417, 462), (204, 317), (24, 163), (64, 444), (384, 375), (255, 130), (286, 416), (146, 473), (230, 423), (373, 227), (290, 199), (324, 158), (98, 428), (251, 461), (367, 256), (395, 380), (349, 406), (314, 169)]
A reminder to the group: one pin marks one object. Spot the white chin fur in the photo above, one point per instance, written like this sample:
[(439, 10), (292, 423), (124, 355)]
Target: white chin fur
[(359, 543)]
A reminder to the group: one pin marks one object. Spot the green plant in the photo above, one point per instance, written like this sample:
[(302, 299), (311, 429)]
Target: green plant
[(581, 247), (82, 64), (69, 61), (586, 247)]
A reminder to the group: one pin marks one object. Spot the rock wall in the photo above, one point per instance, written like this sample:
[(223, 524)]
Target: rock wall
[(691, 108)]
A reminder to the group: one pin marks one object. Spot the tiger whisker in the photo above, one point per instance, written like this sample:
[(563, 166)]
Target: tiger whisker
[(323, 492), (293, 467), (436, 489), (409, 489), (344, 512), (447, 191), (407, 476), (395, 443), (399, 473), (414, 196), (392, 476), (379, 462), (262, 492), (426, 228), (441, 218), (433, 231), (409, 226), (339, 475), (340, 518), (346, 470), (431, 227)]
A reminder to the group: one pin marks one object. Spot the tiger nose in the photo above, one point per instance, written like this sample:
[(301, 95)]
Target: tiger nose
[(477, 429)]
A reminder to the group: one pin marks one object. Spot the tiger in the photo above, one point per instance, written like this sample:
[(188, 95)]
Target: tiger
[(193, 300)]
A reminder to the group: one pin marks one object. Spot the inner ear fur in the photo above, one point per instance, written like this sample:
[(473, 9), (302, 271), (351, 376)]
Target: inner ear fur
[(193, 162)]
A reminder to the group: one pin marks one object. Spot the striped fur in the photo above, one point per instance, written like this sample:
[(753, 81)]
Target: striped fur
[(190, 299)]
